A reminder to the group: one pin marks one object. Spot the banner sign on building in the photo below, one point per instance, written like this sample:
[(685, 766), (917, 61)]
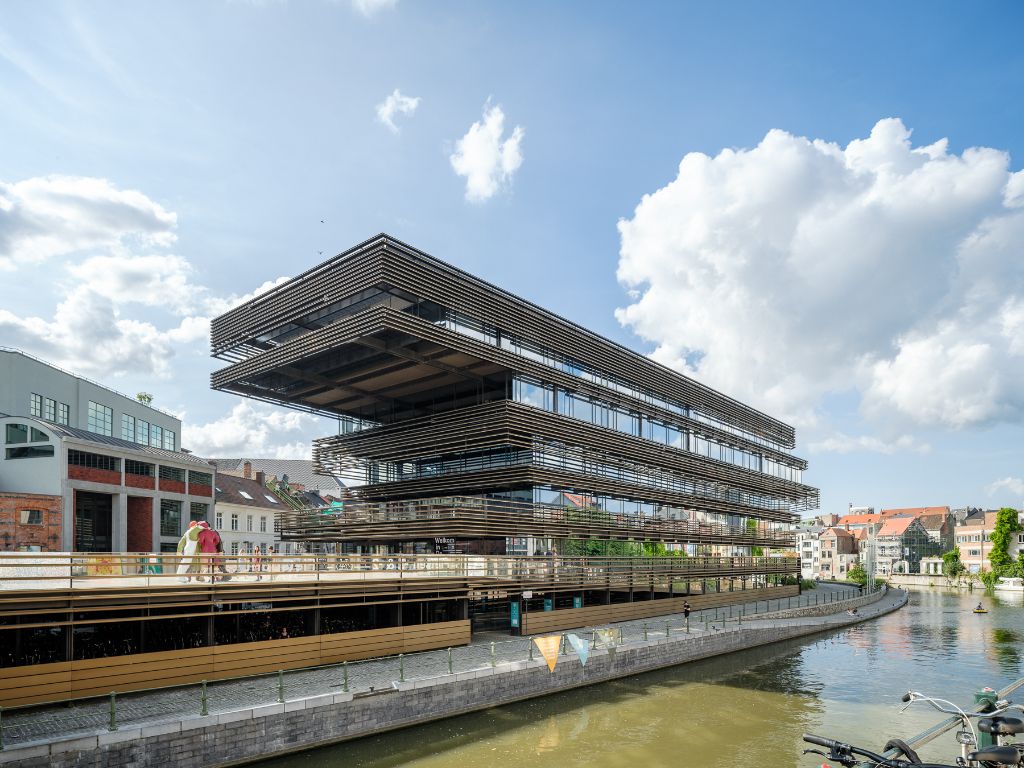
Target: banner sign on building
[(548, 647), (444, 545)]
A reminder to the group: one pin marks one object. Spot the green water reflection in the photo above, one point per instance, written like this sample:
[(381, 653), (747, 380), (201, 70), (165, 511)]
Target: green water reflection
[(749, 708)]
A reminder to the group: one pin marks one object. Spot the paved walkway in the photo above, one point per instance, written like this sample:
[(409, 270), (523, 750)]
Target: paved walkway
[(23, 726)]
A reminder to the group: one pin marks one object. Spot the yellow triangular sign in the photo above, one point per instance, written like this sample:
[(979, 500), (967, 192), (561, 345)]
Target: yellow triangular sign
[(548, 646)]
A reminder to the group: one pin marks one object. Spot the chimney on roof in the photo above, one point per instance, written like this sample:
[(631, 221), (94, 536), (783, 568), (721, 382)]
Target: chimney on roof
[(247, 470), (261, 477)]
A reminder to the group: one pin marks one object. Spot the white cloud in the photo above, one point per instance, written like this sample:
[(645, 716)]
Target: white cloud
[(58, 215), (800, 268), (120, 310), (396, 104), (369, 8), (254, 429), (486, 160), (843, 443), (1014, 485)]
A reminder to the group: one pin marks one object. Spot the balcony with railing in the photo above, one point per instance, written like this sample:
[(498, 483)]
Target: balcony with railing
[(477, 517)]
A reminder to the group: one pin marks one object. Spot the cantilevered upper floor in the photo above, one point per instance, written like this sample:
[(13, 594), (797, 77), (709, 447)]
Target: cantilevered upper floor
[(384, 332)]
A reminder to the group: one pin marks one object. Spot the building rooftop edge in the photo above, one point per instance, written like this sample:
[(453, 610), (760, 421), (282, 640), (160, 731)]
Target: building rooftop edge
[(384, 240), (23, 353)]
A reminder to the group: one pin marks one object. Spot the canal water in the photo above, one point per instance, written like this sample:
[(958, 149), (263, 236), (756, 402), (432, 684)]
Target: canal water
[(745, 709)]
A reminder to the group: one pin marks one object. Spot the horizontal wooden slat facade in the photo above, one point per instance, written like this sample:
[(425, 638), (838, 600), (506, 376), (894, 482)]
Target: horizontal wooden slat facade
[(477, 517), (383, 261), (537, 623), (508, 423), (241, 376), (45, 683), (526, 476)]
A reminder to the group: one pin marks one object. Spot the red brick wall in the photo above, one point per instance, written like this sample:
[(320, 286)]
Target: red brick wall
[(200, 490), (94, 475), (13, 534), (174, 486), (139, 481), (140, 524)]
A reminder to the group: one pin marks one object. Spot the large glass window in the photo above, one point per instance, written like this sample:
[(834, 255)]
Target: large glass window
[(94, 460), (100, 419), (17, 433), (170, 517), (172, 473), (139, 468), (604, 414), (35, 405), (127, 427), (156, 436), (199, 478), (142, 432), (30, 452), (169, 440), (199, 511), (49, 409), (63, 413)]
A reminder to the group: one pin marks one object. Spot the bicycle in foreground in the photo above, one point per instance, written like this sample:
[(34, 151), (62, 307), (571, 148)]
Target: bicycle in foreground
[(1001, 727)]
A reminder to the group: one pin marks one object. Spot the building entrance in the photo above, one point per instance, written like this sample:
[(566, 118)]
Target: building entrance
[(93, 522)]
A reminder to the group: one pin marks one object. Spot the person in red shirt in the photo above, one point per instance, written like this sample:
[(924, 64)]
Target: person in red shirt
[(209, 544)]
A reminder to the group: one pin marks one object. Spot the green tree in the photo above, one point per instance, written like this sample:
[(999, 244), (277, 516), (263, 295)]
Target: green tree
[(951, 565), (1006, 526), (857, 575), (144, 397), (752, 527)]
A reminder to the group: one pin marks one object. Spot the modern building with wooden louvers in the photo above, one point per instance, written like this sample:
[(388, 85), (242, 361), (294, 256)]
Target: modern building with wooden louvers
[(478, 424), (509, 469)]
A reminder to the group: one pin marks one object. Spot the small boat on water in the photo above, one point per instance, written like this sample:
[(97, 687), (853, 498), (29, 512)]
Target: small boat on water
[(1009, 584), (980, 610)]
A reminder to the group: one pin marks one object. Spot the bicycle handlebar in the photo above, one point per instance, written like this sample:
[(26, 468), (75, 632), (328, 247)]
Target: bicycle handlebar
[(810, 738)]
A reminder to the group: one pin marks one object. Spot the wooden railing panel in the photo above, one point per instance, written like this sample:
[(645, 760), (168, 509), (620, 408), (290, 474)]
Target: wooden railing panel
[(569, 618), (96, 677)]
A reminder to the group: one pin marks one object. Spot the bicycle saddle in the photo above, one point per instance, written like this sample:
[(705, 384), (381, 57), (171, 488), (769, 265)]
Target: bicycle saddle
[(997, 755), (1001, 726)]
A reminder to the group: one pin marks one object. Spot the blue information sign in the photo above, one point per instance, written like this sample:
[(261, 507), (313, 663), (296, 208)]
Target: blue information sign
[(549, 604), (514, 613), (577, 602)]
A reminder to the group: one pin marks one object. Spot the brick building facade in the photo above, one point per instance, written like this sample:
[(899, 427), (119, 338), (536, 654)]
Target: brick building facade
[(30, 522)]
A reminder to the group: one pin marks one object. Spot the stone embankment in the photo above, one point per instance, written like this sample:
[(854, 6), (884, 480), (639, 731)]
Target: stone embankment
[(924, 580), (235, 738)]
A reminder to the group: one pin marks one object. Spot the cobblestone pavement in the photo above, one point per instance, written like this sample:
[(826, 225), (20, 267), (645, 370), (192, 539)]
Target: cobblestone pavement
[(22, 726)]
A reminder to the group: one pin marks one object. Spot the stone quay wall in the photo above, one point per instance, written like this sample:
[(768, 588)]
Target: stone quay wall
[(237, 738)]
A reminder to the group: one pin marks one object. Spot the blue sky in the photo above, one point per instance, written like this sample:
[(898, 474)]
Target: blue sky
[(159, 161)]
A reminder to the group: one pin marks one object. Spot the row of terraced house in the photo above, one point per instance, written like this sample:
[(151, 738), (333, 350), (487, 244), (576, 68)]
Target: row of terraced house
[(907, 540)]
